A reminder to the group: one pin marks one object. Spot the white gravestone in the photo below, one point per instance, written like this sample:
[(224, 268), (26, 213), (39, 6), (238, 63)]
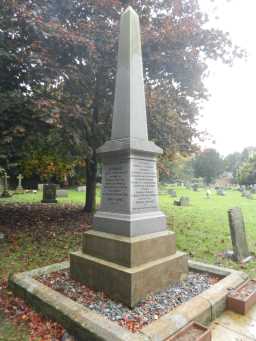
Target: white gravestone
[(81, 188), (61, 193)]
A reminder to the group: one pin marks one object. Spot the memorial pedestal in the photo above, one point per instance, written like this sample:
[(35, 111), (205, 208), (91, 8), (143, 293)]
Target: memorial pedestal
[(128, 268)]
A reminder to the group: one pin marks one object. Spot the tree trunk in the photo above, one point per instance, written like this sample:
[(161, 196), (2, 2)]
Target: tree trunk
[(91, 180)]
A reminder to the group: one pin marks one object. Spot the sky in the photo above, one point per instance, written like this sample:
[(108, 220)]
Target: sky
[(230, 116)]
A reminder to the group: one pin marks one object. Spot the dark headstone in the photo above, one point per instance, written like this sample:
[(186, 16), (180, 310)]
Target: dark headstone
[(238, 236), (49, 194), (183, 201), (195, 187)]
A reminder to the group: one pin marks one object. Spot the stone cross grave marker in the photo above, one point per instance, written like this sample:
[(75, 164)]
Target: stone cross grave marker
[(129, 219), (238, 235), (19, 189)]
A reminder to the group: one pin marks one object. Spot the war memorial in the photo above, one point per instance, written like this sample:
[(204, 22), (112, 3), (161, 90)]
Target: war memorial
[(129, 252)]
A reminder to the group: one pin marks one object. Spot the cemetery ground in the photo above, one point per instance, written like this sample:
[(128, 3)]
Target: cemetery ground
[(39, 234)]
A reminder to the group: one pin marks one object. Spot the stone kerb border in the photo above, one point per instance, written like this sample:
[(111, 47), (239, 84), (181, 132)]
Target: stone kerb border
[(88, 325)]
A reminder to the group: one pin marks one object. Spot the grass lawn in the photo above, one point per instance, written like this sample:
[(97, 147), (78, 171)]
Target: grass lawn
[(74, 197), (202, 229), (47, 235)]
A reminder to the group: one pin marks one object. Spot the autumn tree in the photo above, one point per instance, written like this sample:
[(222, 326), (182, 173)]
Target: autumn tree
[(179, 168), (19, 119), (69, 49)]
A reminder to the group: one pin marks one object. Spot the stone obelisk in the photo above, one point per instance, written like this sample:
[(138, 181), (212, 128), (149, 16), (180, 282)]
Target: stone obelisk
[(129, 252)]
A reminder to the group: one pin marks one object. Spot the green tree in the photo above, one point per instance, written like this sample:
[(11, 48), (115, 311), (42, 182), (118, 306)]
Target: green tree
[(180, 168), (67, 54), (247, 172), (49, 159), (232, 163), (208, 165)]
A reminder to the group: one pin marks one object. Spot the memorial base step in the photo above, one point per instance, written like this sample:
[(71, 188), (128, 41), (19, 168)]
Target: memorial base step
[(124, 284), (129, 251)]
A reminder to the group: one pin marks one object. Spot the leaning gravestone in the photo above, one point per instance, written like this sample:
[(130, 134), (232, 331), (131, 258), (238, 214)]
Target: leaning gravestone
[(49, 194), (238, 236), (62, 193), (129, 218)]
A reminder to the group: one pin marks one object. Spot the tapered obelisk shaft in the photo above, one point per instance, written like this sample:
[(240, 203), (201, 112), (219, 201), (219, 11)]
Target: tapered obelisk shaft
[(129, 252), (129, 119), (129, 201)]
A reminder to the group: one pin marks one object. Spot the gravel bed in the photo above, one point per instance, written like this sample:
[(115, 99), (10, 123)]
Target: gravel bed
[(148, 310)]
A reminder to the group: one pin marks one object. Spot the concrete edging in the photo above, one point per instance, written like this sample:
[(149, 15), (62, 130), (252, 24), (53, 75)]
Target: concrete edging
[(88, 325)]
